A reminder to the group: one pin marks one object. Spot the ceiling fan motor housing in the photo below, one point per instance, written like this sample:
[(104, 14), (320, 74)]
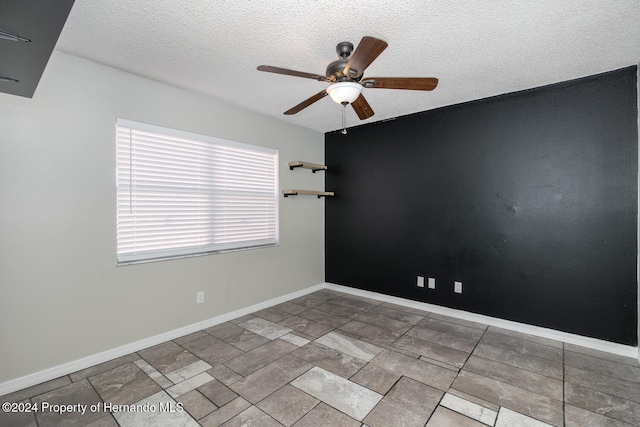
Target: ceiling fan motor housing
[(335, 70), (344, 49)]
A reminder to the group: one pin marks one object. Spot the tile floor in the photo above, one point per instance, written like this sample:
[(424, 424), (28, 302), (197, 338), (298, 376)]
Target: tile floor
[(333, 359)]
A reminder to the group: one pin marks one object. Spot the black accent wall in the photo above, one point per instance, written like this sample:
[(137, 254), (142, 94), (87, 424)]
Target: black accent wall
[(529, 199)]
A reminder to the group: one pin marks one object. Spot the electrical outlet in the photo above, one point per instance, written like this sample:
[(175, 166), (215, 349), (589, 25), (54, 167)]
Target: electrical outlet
[(457, 287), (200, 297), (420, 282), (432, 283)]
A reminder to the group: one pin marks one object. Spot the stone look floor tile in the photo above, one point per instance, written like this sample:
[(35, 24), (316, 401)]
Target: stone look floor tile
[(408, 403), (167, 357), (265, 328), (188, 371), (78, 393), (417, 369), (351, 346), (242, 319), (295, 339), (541, 407), (444, 417), (578, 417), (522, 346), (523, 336), (339, 310), (18, 418), (252, 416), (103, 367), (146, 368), (325, 415), (35, 390), (212, 350), (394, 314), (225, 413), (607, 367), (124, 385), (517, 377), (306, 326), (469, 409), (346, 396), (371, 332), (508, 418), (329, 359), (604, 383), (474, 399), (272, 314), (189, 337), (324, 318), (602, 403), (355, 302), (288, 405), (217, 392), (376, 378), (384, 322), (432, 350), (196, 404), (601, 355), (313, 299), (160, 379), (237, 336), (451, 328), (433, 361), (223, 374), (519, 360), (190, 384), (398, 353), (265, 381), (443, 338), (290, 307), (411, 310), (107, 421), (463, 322), (166, 418), (255, 359)]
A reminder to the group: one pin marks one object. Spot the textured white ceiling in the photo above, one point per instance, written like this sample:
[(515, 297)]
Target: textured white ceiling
[(476, 48)]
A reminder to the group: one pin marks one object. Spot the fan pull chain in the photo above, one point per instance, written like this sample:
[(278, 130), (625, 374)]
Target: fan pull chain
[(344, 118)]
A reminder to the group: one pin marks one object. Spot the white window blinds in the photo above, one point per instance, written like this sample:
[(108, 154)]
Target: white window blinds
[(181, 194)]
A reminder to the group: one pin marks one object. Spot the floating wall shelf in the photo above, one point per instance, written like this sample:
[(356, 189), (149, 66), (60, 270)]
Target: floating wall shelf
[(306, 165), (320, 194), (314, 167)]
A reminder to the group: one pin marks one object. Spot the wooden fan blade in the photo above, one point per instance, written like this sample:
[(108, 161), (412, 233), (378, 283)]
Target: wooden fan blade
[(278, 70), (366, 52), (362, 108), (304, 104), (408, 83)]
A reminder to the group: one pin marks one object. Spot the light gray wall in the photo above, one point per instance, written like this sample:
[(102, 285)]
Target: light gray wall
[(62, 297)]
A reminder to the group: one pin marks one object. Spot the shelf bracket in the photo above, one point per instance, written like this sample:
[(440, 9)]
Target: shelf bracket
[(306, 165)]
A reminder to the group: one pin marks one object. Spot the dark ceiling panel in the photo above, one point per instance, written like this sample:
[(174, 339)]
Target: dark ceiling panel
[(36, 20)]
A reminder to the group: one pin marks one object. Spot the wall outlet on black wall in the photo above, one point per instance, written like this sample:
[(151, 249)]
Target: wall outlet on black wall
[(457, 287)]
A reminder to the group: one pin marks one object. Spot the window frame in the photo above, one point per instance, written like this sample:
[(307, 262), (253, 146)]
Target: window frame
[(266, 195)]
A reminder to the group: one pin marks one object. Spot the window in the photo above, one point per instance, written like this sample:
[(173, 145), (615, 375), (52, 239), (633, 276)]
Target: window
[(182, 194)]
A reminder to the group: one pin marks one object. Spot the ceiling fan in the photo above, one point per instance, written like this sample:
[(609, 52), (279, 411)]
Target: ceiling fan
[(345, 76)]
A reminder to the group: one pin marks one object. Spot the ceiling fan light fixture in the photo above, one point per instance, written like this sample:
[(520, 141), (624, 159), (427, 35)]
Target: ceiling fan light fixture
[(342, 92)]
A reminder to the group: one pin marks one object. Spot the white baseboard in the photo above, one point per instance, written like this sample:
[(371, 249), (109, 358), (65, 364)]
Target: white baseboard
[(593, 343), (86, 362)]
